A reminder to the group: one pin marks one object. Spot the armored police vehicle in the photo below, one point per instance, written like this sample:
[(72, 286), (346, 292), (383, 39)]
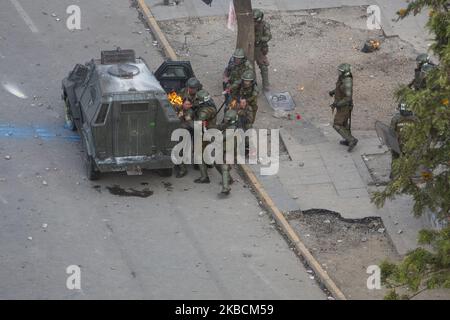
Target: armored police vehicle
[(121, 111)]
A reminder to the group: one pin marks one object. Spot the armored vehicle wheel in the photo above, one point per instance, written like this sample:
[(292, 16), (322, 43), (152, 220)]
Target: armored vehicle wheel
[(165, 172), (70, 124), (91, 170)]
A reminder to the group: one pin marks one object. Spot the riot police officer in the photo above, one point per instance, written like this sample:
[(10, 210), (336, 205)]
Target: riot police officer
[(262, 37), (403, 119), (206, 113), (189, 93), (343, 105), (246, 95), (424, 66), (232, 75)]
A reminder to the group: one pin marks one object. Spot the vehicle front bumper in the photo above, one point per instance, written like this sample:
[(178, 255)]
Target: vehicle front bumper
[(116, 164)]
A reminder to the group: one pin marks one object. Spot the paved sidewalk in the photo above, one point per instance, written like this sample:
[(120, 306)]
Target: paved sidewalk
[(325, 176), (321, 174)]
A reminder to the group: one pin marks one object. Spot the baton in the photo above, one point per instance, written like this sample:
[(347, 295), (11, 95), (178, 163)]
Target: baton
[(223, 104)]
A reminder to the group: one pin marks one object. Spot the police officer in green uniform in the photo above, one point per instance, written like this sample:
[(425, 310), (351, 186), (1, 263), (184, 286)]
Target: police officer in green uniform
[(193, 85), (186, 116), (262, 37), (233, 119), (424, 66), (206, 113), (232, 75), (230, 121), (246, 95), (343, 104), (405, 118), (189, 94)]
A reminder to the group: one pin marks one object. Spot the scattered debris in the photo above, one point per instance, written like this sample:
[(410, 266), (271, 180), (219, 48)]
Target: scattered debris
[(281, 114)]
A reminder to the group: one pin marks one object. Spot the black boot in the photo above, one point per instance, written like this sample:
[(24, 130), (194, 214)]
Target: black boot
[(202, 180), (181, 171), (344, 142), (352, 145)]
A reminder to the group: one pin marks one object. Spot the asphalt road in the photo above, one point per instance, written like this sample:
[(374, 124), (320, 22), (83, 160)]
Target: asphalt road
[(183, 241)]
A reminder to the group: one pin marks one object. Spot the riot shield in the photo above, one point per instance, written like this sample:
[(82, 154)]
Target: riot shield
[(387, 136)]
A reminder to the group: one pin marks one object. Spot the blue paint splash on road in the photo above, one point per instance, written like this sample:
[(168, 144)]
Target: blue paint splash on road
[(8, 131)]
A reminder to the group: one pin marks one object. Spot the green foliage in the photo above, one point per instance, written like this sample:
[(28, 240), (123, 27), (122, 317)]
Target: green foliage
[(421, 269), (423, 171)]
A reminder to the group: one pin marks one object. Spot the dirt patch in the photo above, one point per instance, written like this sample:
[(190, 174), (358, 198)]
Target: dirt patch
[(304, 54), (345, 248)]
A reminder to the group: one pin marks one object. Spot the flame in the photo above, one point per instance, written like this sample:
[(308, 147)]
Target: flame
[(175, 100), (233, 104), (375, 44)]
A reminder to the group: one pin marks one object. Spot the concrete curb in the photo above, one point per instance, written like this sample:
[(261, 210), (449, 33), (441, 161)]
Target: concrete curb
[(292, 236), (156, 30), (256, 185)]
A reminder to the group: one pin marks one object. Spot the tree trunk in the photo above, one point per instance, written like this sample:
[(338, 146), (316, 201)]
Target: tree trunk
[(246, 28)]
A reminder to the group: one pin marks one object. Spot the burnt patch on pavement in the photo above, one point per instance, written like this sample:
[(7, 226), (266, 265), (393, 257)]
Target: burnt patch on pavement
[(130, 192)]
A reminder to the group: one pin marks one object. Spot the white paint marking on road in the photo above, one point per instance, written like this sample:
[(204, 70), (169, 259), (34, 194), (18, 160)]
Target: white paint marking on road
[(11, 88), (24, 16)]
